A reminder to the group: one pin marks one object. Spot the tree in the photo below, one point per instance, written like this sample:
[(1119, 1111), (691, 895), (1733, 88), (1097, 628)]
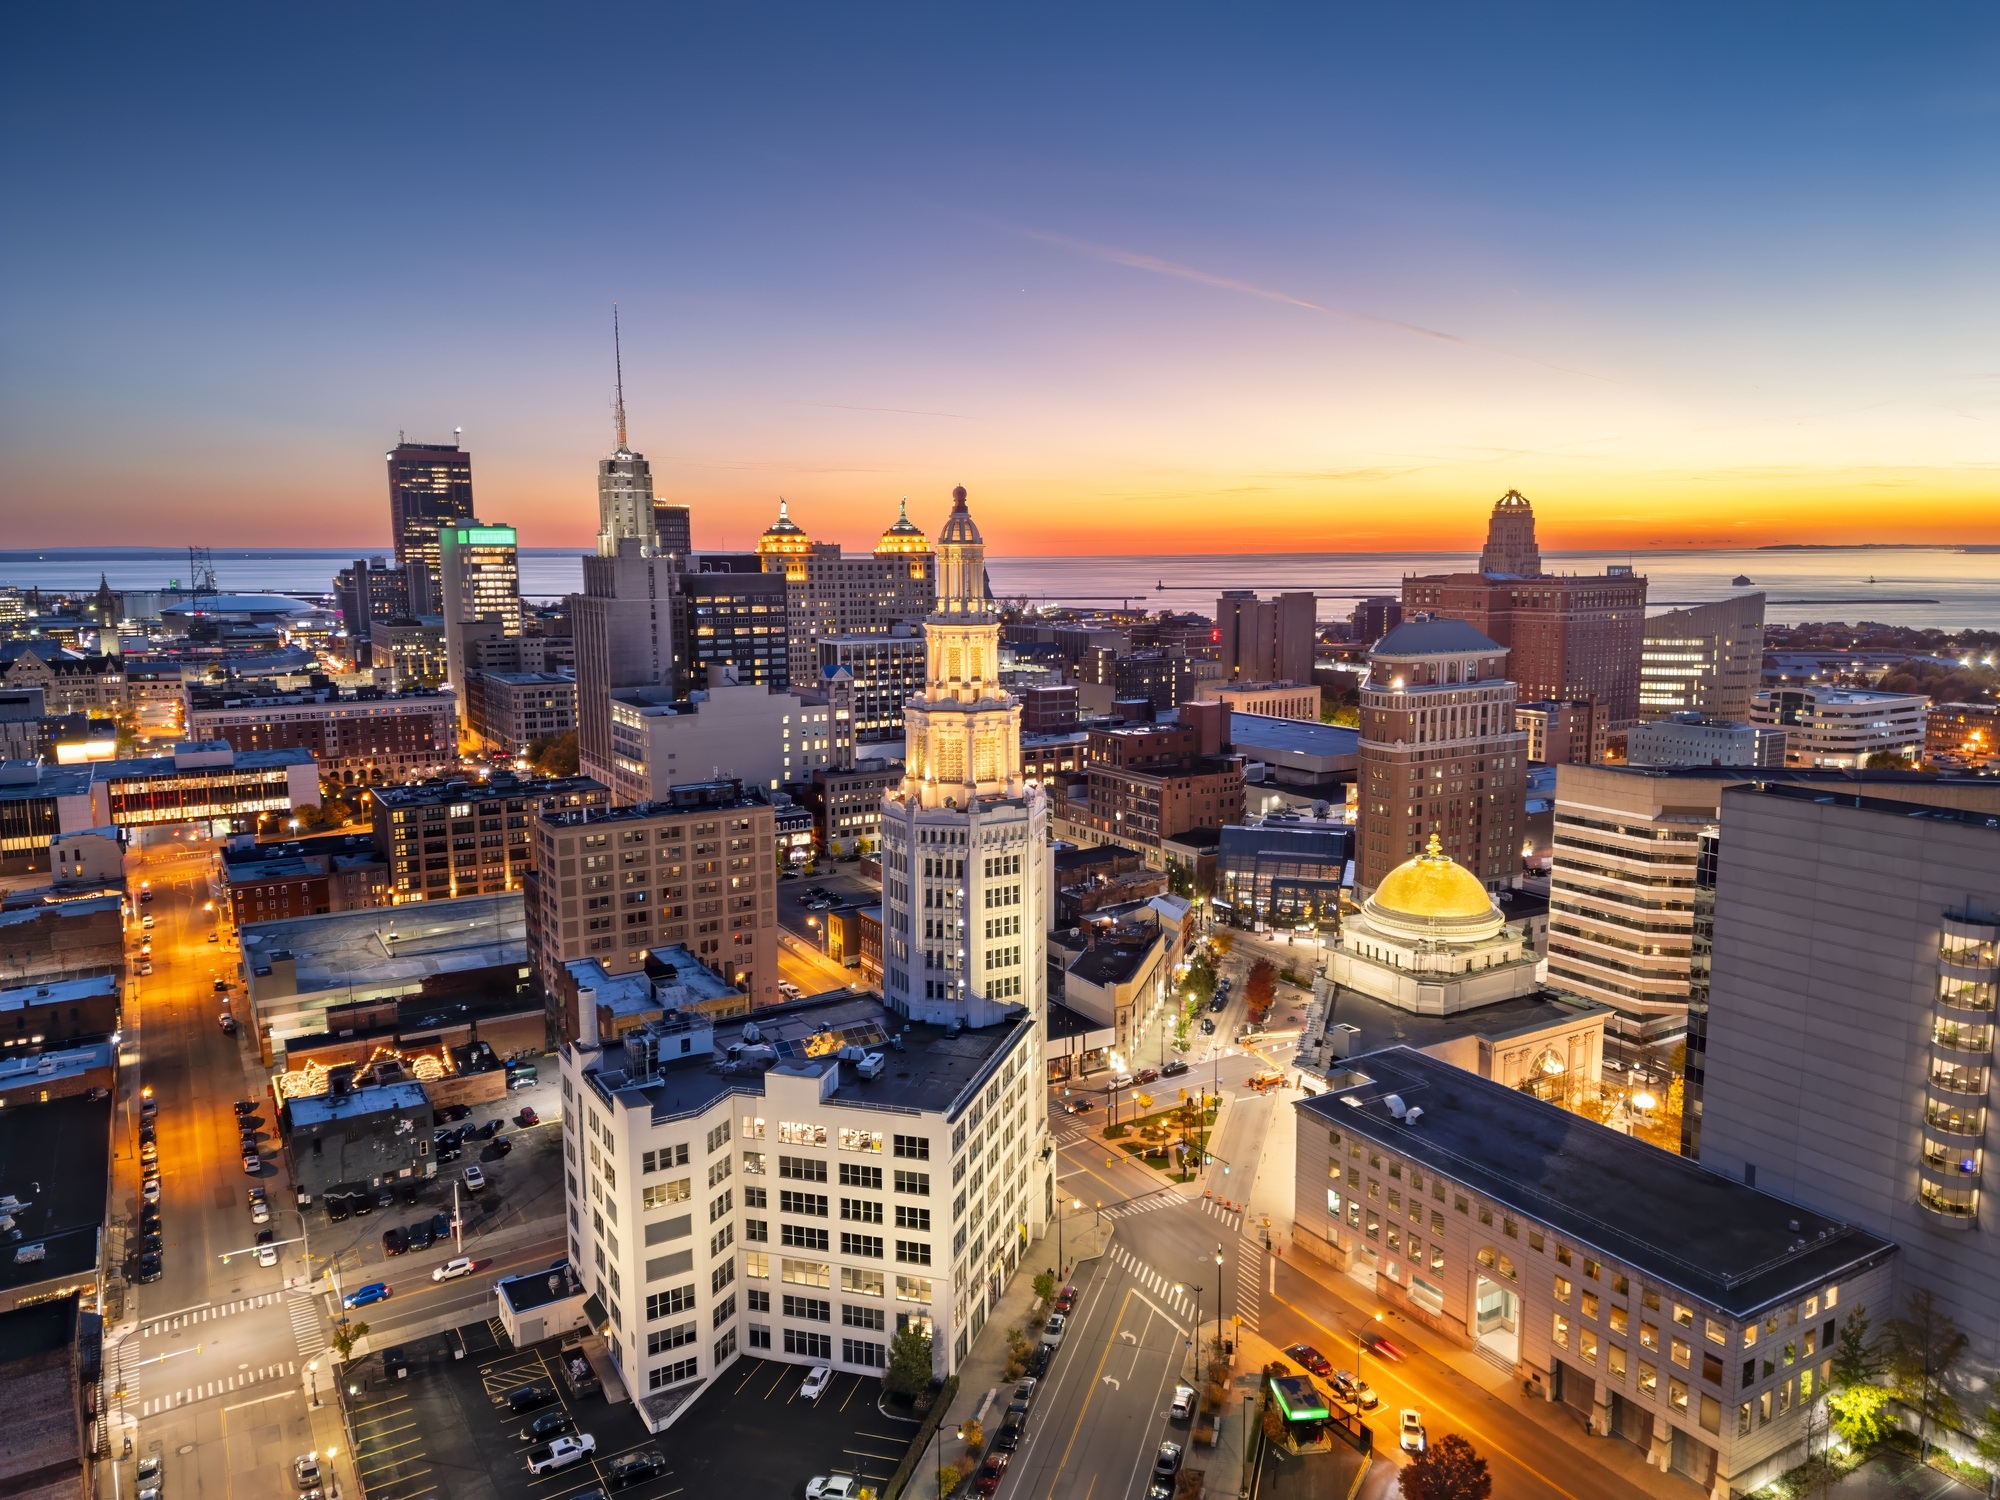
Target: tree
[(1860, 1414), (909, 1372), (1260, 987), (948, 1478), (1857, 1358), (1987, 1442), (1045, 1286), (345, 1337), (1890, 760), (1447, 1470), (554, 755), (1924, 1346)]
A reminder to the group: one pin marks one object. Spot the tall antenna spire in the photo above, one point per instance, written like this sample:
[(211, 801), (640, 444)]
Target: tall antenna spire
[(618, 363)]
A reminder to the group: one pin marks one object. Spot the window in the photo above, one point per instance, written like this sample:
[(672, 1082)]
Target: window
[(913, 1253), (1743, 1420), (664, 1159), (1711, 1368), (722, 1239), (855, 1175), (720, 1205), (753, 1163), (757, 1300), (863, 1317), (660, 1341), (799, 1237), (913, 1147), (1614, 1359), (812, 1345), (1535, 1240), (864, 1352), (1590, 1269), (718, 1137), (861, 1283), (676, 1299), (753, 1127), (725, 1346), (1684, 1315), (718, 1171), (913, 1289), (1561, 1334), (756, 1263), (869, 1245), (1717, 1333), (813, 1204), (1586, 1344), (1677, 1395), (798, 1133), (1618, 1320), (860, 1140), (756, 1197), (861, 1211), (913, 1218), (811, 1309), (802, 1168), (1589, 1303), (720, 1277), (760, 1338), (660, 1194), (1562, 1289), (1679, 1351), (1649, 1337), (805, 1273), (916, 1183), (1562, 1255), (673, 1374), (1649, 1378)]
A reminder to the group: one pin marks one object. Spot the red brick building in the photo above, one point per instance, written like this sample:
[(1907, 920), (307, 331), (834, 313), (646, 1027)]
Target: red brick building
[(1150, 783)]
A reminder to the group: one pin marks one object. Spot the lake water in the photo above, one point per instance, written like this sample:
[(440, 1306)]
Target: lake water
[(1938, 587)]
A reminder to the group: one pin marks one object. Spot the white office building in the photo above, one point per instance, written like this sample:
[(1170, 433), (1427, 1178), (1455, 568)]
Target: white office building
[(1840, 728)]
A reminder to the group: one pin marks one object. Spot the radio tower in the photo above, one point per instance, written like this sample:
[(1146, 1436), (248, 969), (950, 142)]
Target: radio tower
[(201, 572)]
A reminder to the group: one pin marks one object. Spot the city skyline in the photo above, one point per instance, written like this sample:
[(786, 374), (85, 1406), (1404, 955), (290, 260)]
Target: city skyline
[(1231, 295)]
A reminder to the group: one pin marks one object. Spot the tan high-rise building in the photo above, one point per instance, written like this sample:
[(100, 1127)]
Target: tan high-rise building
[(625, 510), (1439, 753), (480, 576), (624, 623), (1265, 640), (1568, 636), (1706, 659), (830, 593)]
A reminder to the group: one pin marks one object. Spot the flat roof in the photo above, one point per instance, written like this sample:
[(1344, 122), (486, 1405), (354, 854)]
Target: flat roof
[(932, 1072), (41, 909), (387, 945), (1109, 961), (1723, 1243), (55, 1158), (59, 991), (323, 1109), (494, 789), (1888, 807), (47, 781), (39, 1069), (166, 765), (531, 1289), (1298, 736), (1379, 1024)]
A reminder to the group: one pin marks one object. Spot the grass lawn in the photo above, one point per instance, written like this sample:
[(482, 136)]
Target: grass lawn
[(1135, 1138)]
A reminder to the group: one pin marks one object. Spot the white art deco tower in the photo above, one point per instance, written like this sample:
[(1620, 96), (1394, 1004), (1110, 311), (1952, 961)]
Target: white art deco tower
[(964, 840)]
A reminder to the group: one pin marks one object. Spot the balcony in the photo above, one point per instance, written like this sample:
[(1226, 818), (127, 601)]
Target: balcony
[(1965, 994), (1954, 1204), (1957, 1078), (1951, 1037), (1950, 1162), (1951, 1119)]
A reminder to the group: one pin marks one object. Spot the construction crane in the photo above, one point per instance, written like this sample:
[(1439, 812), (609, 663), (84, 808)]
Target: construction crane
[(201, 572)]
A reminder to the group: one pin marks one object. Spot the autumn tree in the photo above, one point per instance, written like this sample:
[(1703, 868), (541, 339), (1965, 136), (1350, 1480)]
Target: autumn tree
[(1448, 1469), (1924, 1346), (1260, 987)]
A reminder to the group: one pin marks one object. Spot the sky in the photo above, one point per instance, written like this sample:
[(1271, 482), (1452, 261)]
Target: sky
[(1152, 279)]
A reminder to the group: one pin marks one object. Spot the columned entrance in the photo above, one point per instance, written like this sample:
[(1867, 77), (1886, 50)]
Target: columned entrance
[(1497, 1319)]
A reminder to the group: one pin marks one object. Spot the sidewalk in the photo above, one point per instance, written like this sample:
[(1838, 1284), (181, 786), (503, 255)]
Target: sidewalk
[(982, 1390)]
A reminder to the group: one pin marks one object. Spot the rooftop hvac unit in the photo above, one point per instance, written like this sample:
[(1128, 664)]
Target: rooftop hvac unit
[(1415, 1113), (1394, 1104)]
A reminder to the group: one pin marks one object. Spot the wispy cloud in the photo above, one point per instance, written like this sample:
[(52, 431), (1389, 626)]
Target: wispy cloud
[(1159, 267)]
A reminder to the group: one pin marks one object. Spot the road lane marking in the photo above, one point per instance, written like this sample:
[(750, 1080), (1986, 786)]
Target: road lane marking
[(1090, 1395)]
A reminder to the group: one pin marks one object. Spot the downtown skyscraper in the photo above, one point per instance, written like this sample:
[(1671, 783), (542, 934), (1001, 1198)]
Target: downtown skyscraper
[(430, 486), (624, 480)]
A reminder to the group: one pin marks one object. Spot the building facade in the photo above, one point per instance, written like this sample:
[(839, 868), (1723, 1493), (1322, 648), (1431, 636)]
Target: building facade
[(887, 671), (1265, 640), (830, 594), (761, 736), (1706, 659), (1673, 1308), (507, 710), (359, 736), (479, 580), (430, 487), (445, 839), (1849, 1059), (1567, 636), (728, 617), (1842, 727), (624, 624), (1965, 734), (1439, 753), (1149, 783), (696, 867), (1693, 739)]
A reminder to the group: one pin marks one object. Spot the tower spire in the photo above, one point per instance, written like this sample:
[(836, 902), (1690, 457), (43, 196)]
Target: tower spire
[(618, 365)]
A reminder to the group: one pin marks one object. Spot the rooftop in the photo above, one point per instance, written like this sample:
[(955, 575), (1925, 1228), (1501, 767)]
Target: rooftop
[(37, 1070), (693, 796), (500, 787), (55, 1160), (1298, 736), (324, 1109), (1971, 817), (89, 906), (533, 1289), (59, 992), (1419, 637), (1377, 1024), (178, 765), (382, 946), (1115, 960), (1731, 1246), (934, 1072)]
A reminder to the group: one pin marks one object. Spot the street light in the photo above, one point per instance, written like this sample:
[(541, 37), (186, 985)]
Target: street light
[(1218, 1296), (937, 1454), (312, 1380), (1062, 1262), (1182, 1286)]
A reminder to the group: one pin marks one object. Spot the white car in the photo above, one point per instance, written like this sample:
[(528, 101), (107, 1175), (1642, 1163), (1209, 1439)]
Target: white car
[(145, 969), (1053, 1332), (451, 1270), (561, 1453), (1411, 1430), (267, 1255), (474, 1179), (816, 1382), (833, 1487), (1183, 1408), (151, 1191), (260, 1212)]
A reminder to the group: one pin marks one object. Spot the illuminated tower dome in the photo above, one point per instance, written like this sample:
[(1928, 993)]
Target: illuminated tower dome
[(783, 538), (903, 536)]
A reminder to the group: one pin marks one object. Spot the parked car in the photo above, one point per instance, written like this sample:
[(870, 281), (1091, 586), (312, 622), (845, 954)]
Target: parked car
[(252, 1163), (1410, 1431), (147, 1132), (441, 1226), (1024, 1393), (375, 1291), (338, 1208), (549, 1424), (817, 1380), (1167, 1462), (1221, 999), (990, 1472), (305, 1470), (149, 1268), (1175, 1068), (1311, 1358), (528, 1397), (1119, 1081), (475, 1180), (393, 1242), (449, 1154), (1360, 1392), (527, 1117), (418, 1236), (246, 1106), (560, 1454), (1052, 1331), (228, 1023), (832, 1487), (1183, 1408), (1146, 1075), (267, 1255), (265, 1236), (634, 1468), (1207, 1026), (1010, 1433), (145, 968), (1066, 1299)]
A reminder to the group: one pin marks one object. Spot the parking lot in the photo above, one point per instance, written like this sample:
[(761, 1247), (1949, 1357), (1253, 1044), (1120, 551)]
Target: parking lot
[(446, 1429)]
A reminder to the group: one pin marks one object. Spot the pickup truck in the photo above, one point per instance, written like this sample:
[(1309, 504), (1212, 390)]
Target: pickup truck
[(560, 1454)]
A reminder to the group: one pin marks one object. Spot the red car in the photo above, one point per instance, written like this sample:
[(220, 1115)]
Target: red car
[(1146, 1075), (1382, 1348), (1065, 1299), (527, 1116), (1311, 1358), (990, 1472)]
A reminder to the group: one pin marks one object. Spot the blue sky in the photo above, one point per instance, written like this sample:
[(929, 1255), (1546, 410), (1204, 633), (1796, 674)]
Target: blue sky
[(1174, 277)]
